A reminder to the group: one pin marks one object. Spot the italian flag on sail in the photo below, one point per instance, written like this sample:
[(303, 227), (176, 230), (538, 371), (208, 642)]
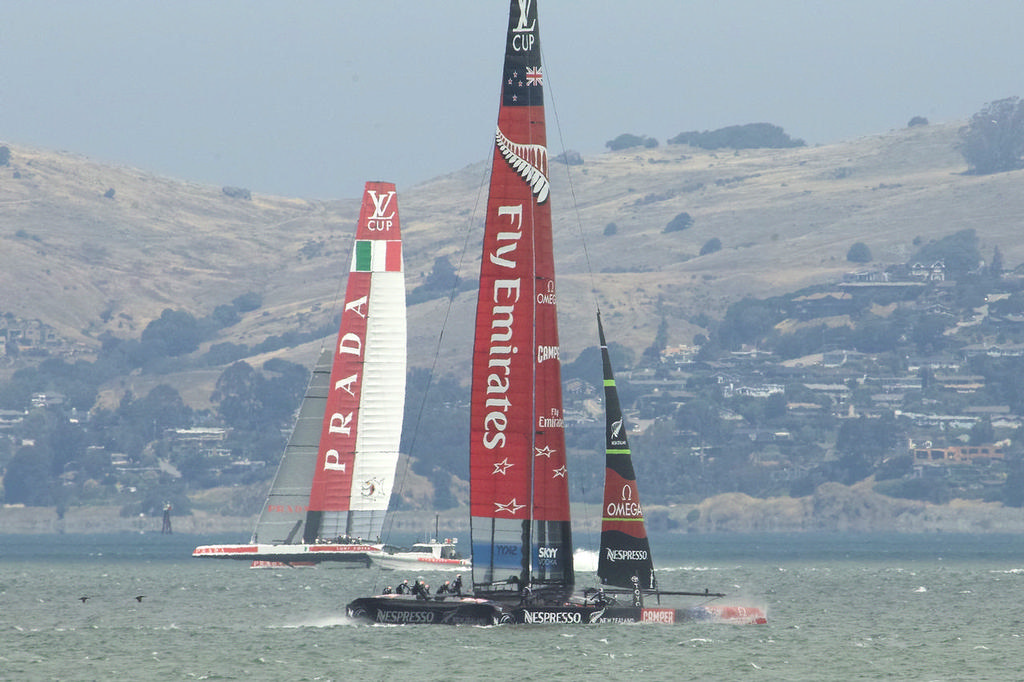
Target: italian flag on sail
[(376, 255)]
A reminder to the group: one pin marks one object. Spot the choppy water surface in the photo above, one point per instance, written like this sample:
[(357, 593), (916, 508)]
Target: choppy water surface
[(935, 607)]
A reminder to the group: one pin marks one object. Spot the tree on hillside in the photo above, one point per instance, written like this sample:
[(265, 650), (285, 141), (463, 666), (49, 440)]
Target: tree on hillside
[(442, 280), (175, 331), (710, 246), (236, 396), (959, 251), (995, 267), (859, 253), (27, 478), (652, 354), (247, 302), (864, 442), (748, 136), (628, 141), (993, 141), (680, 222), (161, 409)]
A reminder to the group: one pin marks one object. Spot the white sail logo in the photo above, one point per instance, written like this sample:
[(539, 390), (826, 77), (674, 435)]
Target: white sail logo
[(614, 555), (340, 424), (381, 221), (501, 348), (373, 488), (626, 508), (523, 38), (511, 507), (530, 161)]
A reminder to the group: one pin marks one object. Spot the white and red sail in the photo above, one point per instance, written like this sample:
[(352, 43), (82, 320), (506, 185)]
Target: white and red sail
[(361, 429), (519, 490), (338, 468)]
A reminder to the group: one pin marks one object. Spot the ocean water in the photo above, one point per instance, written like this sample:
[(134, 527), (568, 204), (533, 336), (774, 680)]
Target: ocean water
[(840, 607)]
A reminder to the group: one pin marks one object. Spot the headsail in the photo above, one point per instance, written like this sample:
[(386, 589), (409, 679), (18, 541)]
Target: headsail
[(519, 490), (625, 550), (361, 429), (283, 516)]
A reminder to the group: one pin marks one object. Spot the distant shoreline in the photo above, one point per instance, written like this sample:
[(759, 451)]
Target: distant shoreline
[(832, 508)]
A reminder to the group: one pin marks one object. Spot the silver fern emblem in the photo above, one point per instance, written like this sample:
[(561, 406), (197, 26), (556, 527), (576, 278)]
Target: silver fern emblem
[(530, 161)]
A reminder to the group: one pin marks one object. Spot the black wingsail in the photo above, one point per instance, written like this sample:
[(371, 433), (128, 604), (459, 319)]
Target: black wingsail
[(625, 551)]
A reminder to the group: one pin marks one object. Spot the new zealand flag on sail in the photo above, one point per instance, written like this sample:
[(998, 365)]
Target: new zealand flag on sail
[(522, 86), (523, 80)]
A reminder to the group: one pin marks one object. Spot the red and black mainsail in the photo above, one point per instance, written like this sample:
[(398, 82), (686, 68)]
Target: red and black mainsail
[(519, 490), (625, 550)]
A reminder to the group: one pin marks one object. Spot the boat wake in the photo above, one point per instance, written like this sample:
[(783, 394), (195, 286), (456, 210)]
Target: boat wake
[(322, 622), (584, 561)]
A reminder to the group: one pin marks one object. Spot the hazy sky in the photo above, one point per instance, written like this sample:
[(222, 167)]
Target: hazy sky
[(311, 98)]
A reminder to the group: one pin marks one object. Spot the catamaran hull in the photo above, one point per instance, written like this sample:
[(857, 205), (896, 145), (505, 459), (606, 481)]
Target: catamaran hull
[(393, 562), (356, 555), (403, 610), (585, 615)]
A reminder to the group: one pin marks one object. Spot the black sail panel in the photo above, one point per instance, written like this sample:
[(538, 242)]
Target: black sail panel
[(625, 551)]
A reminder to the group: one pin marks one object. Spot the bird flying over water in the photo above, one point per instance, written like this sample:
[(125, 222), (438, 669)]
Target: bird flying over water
[(140, 597), (82, 599)]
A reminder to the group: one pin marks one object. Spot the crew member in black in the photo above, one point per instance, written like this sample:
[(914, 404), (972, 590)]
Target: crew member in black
[(403, 587), (421, 590), (456, 587)]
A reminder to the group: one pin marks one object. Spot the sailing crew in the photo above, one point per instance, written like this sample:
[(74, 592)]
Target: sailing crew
[(421, 590), (387, 590), (403, 587), (456, 587), (443, 588)]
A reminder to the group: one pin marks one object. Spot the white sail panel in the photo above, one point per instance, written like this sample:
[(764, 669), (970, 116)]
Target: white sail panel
[(382, 404)]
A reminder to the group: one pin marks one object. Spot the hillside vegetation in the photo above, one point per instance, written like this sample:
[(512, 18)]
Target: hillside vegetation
[(84, 263), (167, 284)]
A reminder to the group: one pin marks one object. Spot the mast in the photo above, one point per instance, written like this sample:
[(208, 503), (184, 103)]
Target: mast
[(625, 549), (361, 427), (519, 501)]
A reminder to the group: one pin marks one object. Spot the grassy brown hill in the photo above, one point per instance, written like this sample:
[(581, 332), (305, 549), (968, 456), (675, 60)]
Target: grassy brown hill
[(86, 263)]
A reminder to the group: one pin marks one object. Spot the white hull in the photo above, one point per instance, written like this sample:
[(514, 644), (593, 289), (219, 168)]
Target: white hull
[(417, 562), (424, 556), (295, 554)]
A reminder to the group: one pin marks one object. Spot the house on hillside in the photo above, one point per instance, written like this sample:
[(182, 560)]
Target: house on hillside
[(956, 454), (929, 272)]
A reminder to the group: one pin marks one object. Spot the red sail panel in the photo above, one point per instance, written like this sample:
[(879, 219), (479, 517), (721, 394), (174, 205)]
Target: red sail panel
[(516, 414), (517, 447), (502, 400), (332, 478)]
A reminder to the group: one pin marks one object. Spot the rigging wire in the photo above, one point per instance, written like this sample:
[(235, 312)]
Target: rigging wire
[(587, 521), (400, 479)]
